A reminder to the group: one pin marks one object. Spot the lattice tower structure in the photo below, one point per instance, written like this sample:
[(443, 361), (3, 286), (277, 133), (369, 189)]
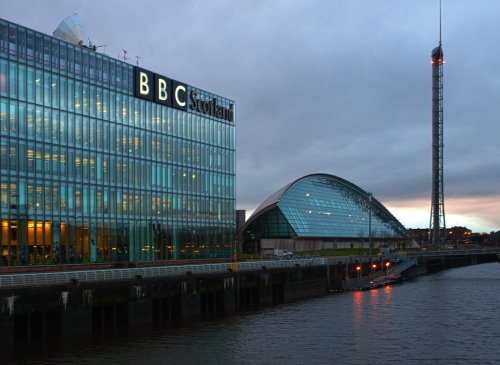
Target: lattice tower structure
[(437, 226)]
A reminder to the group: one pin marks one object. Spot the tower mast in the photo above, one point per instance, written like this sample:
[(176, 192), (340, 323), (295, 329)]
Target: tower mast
[(437, 226)]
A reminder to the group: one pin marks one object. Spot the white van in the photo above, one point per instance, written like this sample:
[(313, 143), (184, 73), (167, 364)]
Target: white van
[(282, 253)]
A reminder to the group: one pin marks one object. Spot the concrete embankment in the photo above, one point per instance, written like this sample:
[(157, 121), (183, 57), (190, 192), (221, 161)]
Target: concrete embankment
[(69, 304), (431, 262), (34, 312)]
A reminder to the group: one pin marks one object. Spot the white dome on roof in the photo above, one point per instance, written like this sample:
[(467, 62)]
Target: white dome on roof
[(70, 30)]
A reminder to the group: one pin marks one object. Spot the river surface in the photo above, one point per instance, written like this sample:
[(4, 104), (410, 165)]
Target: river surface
[(452, 317)]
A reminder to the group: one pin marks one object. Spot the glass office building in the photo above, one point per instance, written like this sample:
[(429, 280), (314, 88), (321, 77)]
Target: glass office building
[(90, 172), (322, 208)]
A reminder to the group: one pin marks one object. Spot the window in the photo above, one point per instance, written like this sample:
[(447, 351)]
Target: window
[(30, 46), (13, 117), (47, 86), (4, 122), (21, 43), (55, 91), (92, 65), (30, 84), (85, 63), (55, 55), (12, 40), (3, 77), (63, 93), (46, 50), (62, 57), (71, 60), (3, 38), (39, 49), (78, 61), (38, 86), (22, 119), (13, 80)]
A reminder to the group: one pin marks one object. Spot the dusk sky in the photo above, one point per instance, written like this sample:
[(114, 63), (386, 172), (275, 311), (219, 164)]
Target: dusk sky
[(337, 87)]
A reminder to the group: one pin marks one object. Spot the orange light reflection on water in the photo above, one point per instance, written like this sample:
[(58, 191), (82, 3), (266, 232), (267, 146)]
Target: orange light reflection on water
[(357, 314)]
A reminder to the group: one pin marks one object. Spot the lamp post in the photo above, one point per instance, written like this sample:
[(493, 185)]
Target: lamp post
[(387, 264), (358, 269), (370, 225)]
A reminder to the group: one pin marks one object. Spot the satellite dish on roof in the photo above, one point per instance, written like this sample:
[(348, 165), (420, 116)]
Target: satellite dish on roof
[(70, 30)]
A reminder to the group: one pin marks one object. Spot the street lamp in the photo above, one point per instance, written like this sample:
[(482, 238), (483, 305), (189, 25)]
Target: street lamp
[(358, 269), (387, 264), (370, 225), (374, 267)]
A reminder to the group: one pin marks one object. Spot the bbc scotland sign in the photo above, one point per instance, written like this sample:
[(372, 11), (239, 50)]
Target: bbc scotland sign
[(162, 90)]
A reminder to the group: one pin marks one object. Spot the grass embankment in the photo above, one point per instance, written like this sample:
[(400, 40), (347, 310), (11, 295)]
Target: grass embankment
[(342, 252), (324, 253)]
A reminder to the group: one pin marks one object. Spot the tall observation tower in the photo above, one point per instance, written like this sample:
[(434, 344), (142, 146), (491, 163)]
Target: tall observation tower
[(437, 228)]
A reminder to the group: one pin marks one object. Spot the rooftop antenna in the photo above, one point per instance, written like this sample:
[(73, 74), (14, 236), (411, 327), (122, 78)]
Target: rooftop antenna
[(103, 46), (125, 55), (137, 60), (439, 22)]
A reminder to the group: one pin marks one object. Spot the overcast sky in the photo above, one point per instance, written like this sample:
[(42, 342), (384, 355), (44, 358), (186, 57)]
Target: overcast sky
[(338, 87)]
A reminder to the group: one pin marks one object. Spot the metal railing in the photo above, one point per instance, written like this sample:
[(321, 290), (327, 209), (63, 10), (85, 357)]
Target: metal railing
[(379, 277), (60, 278), (475, 251), (404, 265)]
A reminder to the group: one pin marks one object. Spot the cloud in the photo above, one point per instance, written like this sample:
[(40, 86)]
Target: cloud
[(331, 86)]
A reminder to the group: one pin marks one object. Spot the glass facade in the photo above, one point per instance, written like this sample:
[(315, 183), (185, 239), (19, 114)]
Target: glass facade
[(325, 207), (90, 173)]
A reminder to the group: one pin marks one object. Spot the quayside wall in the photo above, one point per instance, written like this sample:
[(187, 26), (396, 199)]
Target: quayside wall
[(71, 304), (428, 263), (76, 306)]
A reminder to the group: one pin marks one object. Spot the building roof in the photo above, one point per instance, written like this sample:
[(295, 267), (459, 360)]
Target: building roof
[(323, 205)]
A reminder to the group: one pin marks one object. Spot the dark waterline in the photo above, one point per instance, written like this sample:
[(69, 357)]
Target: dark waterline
[(448, 318)]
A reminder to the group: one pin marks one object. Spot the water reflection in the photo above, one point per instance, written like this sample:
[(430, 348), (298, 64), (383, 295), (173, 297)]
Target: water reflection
[(357, 308), (401, 324)]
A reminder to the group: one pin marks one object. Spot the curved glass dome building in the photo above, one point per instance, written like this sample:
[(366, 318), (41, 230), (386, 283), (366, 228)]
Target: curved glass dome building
[(317, 212)]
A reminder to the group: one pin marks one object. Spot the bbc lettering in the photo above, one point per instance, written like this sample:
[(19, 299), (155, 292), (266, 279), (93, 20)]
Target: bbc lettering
[(160, 89)]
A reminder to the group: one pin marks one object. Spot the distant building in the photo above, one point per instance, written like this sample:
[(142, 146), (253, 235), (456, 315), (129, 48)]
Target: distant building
[(458, 235), (240, 219), (318, 212), (420, 235), (240, 222)]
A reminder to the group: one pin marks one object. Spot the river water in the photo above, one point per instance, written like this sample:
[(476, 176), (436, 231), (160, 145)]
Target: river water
[(452, 317)]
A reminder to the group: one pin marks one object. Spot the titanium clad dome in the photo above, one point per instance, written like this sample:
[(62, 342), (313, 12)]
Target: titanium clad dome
[(323, 206), (70, 30)]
